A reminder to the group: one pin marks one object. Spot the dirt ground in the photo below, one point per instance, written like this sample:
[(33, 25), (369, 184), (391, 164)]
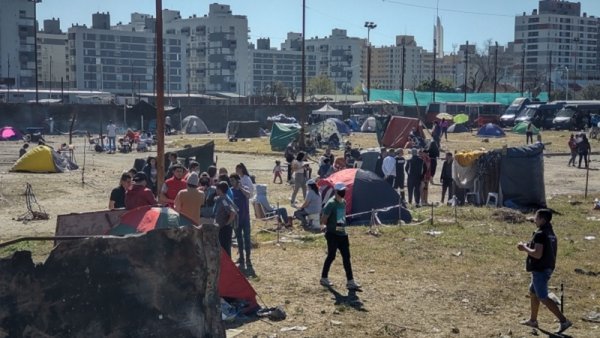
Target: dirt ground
[(420, 302)]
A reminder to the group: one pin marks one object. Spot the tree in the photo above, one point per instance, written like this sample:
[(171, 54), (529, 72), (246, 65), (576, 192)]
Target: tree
[(440, 86), (321, 85), (591, 92)]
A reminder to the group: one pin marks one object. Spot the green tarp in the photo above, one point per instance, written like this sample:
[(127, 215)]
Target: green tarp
[(282, 134), (425, 98)]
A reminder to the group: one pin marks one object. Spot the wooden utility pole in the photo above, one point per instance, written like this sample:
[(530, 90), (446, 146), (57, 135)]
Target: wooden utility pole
[(160, 98)]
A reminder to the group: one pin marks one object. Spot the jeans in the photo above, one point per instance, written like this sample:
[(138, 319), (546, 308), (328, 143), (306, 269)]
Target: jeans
[(242, 233), (539, 283), (573, 157), (289, 171), (335, 242), (225, 238), (301, 215), (111, 143), (528, 137), (299, 183), (414, 189), (583, 156)]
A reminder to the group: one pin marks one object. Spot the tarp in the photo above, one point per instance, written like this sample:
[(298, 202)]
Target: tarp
[(398, 130), (424, 98), (43, 159), (9, 133), (204, 155), (282, 118), (369, 126), (282, 134), (522, 176), (366, 191), (369, 159), (458, 128), (490, 130), (327, 110), (521, 128), (232, 284), (243, 129), (192, 124)]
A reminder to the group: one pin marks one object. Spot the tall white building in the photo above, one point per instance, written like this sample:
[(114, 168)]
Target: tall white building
[(387, 64), (438, 36), (17, 56), (53, 55), (560, 29)]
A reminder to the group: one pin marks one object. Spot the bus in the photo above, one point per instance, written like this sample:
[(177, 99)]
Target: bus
[(479, 113), (576, 115)]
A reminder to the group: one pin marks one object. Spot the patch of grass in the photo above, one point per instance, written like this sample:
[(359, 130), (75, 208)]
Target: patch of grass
[(39, 249)]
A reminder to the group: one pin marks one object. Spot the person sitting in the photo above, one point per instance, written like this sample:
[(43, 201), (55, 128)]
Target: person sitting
[(23, 149), (312, 204), (325, 169), (124, 146), (139, 195), (262, 199)]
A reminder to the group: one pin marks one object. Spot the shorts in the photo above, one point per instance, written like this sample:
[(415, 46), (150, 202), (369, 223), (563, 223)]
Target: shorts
[(539, 283)]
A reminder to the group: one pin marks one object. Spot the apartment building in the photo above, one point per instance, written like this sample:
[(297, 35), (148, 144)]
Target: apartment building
[(53, 55), (17, 43), (387, 64)]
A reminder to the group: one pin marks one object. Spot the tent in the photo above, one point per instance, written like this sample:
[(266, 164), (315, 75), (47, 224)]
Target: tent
[(243, 129), (521, 128), (282, 134), (192, 124), (352, 124), (490, 130), (9, 133), (369, 159), (340, 125), (326, 128), (369, 126), (398, 130), (43, 159), (232, 284), (327, 110), (459, 128), (366, 191)]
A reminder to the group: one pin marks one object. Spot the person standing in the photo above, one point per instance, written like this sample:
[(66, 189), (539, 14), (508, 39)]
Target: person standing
[(445, 124), (389, 167), (414, 170), (245, 178), (529, 133), (541, 253), (299, 177), (111, 133), (290, 153), (426, 176), (433, 150), (379, 163), (241, 199), (399, 181), (333, 222), (277, 172), (573, 147), (583, 149), (446, 177), (224, 212), (151, 173), (190, 201), (173, 186), (139, 195), (117, 195)]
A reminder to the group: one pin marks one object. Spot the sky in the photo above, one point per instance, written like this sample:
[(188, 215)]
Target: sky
[(474, 20)]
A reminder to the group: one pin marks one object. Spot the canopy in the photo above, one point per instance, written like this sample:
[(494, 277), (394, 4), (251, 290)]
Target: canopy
[(490, 130), (327, 110), (521, 128), (282, 134)]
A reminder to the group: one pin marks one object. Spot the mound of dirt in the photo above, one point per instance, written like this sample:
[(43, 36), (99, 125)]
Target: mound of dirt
[(508, 215)]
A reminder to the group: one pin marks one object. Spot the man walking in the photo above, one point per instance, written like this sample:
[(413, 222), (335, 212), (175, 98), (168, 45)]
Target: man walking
[(333, 222), (415, 170), (389, 167)]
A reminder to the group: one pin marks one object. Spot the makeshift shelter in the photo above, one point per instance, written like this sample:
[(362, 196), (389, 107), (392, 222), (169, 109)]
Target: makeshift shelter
[(282, 134), (369, 126), (43, 159), (369, 158), (352, 124), (342, 127), (9, 133), (243, 129), (490, 130), (192, 124), (365, 192), (282, 118), (148, 112), (515, 174), (459, 128), (327, 110), (521, 128), (398, 130), (327, 129), (232, 283)]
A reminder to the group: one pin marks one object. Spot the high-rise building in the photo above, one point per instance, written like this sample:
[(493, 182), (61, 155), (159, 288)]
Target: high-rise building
[(53, 55), (17, 44), (387, 67), (438, 36), (557, 29)]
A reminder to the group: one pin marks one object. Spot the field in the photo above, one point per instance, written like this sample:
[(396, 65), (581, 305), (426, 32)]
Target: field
[(468, 280)]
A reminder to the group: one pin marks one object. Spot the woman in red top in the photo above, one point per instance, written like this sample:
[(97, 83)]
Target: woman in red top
[(573, 146)]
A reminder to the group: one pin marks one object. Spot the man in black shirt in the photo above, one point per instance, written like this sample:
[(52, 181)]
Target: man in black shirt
[(400, 162), (541, 260), (446, 177), (117, 196), (415, 168)]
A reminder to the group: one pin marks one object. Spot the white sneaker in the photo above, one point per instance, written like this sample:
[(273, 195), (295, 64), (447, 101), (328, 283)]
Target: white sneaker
[(352, 285), (326, 282)]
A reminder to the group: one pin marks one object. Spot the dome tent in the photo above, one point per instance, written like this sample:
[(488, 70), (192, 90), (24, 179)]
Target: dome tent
[(369, 126), (192, 124), (43, 159), (459, 128), (9, 133), (490, 130)]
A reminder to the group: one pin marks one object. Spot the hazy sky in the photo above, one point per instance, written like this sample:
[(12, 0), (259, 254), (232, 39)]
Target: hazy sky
[(473, 20)]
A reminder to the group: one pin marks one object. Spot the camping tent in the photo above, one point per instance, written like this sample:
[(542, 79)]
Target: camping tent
[(43, 159), (192, 124), (340, 125), (521, 128), (398, 130), (366, 191), (10, 134), (326, 128), (352, 124), (490, 130), (369, 126), (459, 128), (243, 129), (232, 284), (282, 134), (327, 110)]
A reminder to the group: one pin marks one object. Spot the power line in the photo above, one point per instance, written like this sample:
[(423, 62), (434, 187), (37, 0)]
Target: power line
[(447, 9)]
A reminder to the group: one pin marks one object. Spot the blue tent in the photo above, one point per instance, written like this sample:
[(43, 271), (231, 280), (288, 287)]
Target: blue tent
[(490, 130), (353, 125), (341, 126)]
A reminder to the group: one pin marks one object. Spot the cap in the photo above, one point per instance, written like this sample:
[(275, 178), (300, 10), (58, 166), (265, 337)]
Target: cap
[(193, 179), (339, 186), (139, 177), (311, 181)]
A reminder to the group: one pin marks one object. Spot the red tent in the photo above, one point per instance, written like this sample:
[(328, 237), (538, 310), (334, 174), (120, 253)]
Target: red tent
[(398, 129), (232, 283)]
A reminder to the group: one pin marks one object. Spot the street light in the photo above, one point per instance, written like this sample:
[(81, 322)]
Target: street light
[(35, 2), (369, 25), (567, 85)]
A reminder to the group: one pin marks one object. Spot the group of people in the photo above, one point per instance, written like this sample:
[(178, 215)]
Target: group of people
[(131, 140), (579, 145)]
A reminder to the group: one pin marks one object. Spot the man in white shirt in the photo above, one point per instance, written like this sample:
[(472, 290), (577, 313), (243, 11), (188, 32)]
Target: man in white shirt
[(389, 167), (111, 133)]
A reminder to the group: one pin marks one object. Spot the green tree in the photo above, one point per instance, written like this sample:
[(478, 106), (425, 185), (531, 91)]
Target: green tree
[(321, 85), (427, 86)]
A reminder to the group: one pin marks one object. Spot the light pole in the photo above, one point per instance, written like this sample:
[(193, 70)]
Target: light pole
[(369, 25), (567, 84), (35, 2), (576, 40)]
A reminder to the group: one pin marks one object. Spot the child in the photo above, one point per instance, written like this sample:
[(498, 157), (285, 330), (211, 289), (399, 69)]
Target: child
[(277, 172), (541, 260)]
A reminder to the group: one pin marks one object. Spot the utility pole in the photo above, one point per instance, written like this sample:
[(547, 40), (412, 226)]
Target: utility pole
[(160, 99), (35, 49), (466, 68), (402, 72), (495, 69), (550, 76), (369, 25), (302, 105), (523, 71), (434, 64)]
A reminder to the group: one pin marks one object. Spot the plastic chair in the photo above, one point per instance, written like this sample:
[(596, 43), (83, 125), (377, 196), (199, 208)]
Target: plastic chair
[(492, 199)]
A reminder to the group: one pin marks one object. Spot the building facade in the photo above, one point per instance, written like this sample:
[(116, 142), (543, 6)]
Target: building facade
[(53, 56), (17, 43)]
